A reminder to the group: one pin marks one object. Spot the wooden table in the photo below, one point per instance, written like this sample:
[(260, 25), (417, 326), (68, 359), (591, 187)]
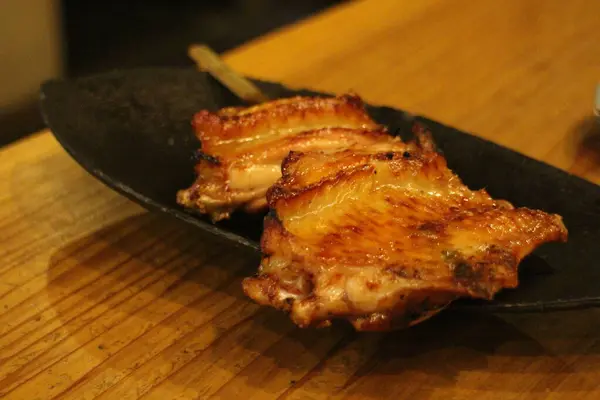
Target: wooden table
[(100, 299)]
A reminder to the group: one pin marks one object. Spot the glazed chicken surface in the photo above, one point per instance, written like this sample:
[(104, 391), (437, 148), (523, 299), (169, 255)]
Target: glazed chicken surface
[(386, 238), (242, 148)]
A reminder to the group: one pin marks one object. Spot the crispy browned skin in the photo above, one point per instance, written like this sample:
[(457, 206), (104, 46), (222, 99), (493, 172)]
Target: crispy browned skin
[(243, 147), (386, 239)]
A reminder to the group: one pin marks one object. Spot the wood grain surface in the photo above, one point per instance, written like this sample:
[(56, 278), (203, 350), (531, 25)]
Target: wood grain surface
[(102, 300)]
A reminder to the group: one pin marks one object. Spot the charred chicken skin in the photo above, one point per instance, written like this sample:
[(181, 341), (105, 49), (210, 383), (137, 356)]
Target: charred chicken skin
[(242, 148), (386, 238)]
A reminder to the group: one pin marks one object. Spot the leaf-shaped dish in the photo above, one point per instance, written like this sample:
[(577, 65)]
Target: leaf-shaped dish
[(131, 129)]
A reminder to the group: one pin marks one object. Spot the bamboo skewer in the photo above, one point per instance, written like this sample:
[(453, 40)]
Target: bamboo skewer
[(209, 61)]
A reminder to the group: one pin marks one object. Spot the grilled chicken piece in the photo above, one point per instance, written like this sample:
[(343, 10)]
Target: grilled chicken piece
[(242, 148), (386, 239)]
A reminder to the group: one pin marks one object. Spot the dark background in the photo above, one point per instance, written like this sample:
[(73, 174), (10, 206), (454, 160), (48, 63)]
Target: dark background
[(113, 34)]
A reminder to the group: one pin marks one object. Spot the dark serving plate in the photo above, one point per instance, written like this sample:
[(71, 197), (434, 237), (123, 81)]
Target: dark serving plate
[(131, 129)]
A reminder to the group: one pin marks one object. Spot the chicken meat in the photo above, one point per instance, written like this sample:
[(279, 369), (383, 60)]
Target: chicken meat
[(386, 239), (242, 148)]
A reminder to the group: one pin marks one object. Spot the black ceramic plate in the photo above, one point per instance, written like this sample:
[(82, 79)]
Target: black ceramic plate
[(131, 129)]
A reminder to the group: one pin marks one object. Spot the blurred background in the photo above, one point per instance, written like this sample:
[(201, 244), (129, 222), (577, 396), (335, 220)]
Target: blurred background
[(43, 39)]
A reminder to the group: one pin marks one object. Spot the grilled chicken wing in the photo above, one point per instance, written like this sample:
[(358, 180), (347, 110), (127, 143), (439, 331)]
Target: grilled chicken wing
[(386, 239), (242, 148)]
